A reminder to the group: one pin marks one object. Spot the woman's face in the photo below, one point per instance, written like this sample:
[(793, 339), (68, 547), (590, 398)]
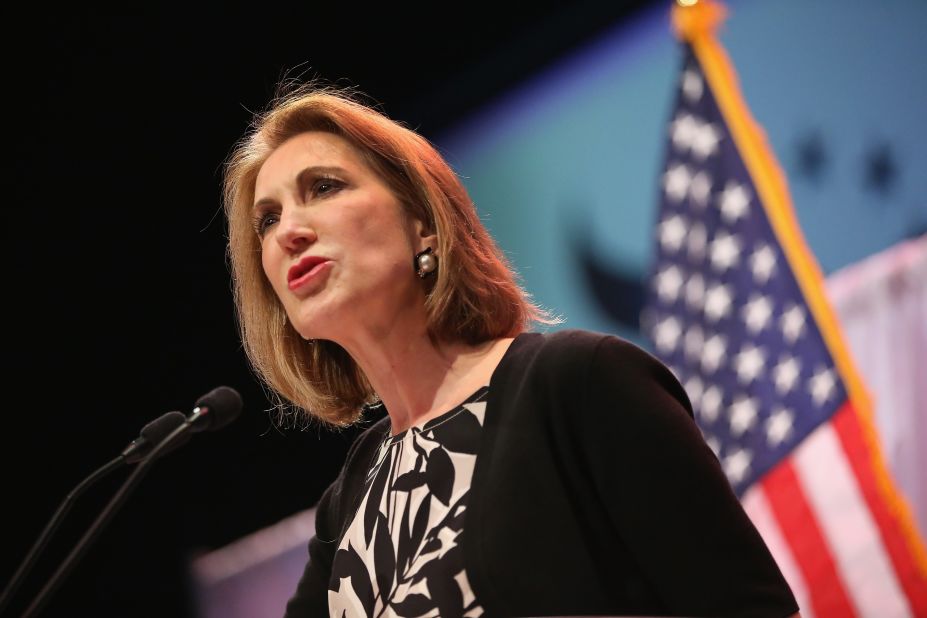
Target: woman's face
[(335, 243)]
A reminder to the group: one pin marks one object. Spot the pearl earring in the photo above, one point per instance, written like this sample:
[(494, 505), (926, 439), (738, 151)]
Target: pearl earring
[(425, 263)]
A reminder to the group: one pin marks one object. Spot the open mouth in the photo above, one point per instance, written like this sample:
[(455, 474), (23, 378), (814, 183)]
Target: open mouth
[(305, 270)]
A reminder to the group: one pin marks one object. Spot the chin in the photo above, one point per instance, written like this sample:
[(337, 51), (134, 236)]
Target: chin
[(312, 326), (306, 332)]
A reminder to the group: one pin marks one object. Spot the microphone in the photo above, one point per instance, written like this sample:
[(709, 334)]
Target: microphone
[(150, 436), (216, 409), (212, 411)]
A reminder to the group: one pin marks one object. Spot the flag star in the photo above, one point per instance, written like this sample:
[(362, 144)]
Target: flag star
[(749, 362), (676, 182), (705, 141), (693, 342), (822, 385), (683, 130), (779, 426), (792, 323), (725, 251), (692, 85), (713, 353), (698, 239), (763, 264), (695, 291), (736, 465), (734, 202), (694, 389), (700, 189), (710, 405), (666, 334), (717, 302), (742, 415), (668, 283), (672, 232), (785, 374), (756, 313)]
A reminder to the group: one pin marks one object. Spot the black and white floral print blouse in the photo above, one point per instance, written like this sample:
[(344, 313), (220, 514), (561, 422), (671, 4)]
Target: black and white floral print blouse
[(401, 555)]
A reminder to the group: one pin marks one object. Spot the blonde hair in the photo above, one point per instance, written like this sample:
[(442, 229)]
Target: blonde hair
[(473, 298)]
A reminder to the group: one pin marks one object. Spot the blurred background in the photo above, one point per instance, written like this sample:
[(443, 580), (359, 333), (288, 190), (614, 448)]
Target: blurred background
[(118, 293)]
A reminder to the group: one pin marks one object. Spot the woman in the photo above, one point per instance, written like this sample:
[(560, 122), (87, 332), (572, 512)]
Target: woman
[(516, 473)]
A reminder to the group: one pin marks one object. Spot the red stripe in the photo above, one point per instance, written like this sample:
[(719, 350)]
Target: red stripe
[(847, 426), (801, 531)]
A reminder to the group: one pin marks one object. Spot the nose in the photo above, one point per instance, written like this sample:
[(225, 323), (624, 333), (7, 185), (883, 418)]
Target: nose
[(294, 233)]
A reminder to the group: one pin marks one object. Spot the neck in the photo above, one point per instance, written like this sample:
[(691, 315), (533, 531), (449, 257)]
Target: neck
[(416, 378)]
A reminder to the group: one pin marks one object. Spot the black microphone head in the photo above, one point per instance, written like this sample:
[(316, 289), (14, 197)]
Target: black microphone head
[(161, 427), (218, 408), (153, 434)]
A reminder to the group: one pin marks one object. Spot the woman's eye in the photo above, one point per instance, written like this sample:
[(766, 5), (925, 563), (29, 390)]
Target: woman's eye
[(263, 221), (324, 186)]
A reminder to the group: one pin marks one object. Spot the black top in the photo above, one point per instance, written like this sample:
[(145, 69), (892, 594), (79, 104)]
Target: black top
[(593, 494)]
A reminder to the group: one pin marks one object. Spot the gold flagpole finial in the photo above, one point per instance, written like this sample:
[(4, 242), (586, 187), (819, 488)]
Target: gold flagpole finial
[(693, 19)]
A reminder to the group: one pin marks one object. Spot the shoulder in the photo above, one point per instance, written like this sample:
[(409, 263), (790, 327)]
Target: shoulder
[(591, 362), (568, 348), (337, 504)]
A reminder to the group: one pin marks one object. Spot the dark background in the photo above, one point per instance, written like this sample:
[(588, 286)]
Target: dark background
[(117, 292)]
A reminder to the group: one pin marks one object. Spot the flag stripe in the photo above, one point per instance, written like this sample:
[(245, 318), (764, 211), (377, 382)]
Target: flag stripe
[(800, 527), (757, 506), (850, 433), (847, 525)]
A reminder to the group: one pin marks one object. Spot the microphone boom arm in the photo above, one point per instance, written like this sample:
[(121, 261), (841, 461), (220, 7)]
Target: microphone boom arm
[(52, 525), (111, 507)]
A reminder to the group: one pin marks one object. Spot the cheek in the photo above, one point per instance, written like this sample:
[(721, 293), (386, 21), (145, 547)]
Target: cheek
[(381, 228), (265, 262), (270, 261)]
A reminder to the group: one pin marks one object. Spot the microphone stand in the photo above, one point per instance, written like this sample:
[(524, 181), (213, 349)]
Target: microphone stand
[(52, 525), (112, 506)]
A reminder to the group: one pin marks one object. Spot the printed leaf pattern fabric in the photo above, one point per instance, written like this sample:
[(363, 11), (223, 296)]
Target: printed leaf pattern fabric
[(401, 555)]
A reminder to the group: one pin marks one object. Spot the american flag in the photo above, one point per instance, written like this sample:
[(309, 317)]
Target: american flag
[(736, 309)]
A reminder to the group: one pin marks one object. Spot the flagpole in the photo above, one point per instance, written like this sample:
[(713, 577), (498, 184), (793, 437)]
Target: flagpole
[(695, 22)]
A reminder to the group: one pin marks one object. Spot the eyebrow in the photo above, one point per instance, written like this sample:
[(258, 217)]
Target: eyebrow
[(303, 178)]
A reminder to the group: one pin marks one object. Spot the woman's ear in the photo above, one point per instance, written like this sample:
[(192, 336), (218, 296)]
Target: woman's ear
[(424, 236)]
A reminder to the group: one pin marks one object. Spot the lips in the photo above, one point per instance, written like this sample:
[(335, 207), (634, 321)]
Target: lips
[(307, 269)]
